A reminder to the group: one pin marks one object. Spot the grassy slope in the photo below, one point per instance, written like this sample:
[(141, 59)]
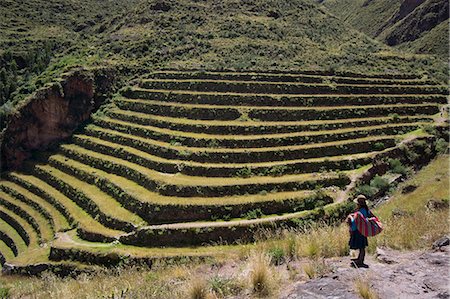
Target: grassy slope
[(434, 41), (377, 19), (267, 34), (369, 18)]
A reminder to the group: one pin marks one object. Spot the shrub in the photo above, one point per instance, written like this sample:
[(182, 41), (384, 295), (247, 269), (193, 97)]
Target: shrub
[(4, 292), (430, 129), (394, 116), (397, 167), (254, 214), (379, 183), (245, 172), (277, 255), (366, 190), (224, 287), (441, 146), (379, 146)]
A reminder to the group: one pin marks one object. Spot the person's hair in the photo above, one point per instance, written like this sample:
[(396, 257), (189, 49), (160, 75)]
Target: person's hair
[(361, 202), (364, 206)]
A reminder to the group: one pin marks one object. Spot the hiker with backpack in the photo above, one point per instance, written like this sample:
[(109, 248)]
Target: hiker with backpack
[(362, 224)]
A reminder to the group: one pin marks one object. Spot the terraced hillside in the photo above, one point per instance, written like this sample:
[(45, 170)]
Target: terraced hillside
[(191, 158)]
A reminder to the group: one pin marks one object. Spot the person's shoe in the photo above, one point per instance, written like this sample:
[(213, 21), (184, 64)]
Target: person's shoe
[(363, 265), (355, 264)]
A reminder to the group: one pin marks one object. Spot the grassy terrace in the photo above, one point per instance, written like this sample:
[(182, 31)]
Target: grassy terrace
[(284, 100), (269, 113), (49, 212), (249, 127), (41, 226), (280, 77), (288, 88), (178, 160), (74, 212), (108, 126), (186, 159)]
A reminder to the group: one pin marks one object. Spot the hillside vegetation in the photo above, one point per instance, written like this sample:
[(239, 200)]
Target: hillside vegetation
[(418, 26), (40, 39)]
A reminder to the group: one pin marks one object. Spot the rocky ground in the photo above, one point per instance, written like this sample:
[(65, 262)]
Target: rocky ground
[(391, 274)]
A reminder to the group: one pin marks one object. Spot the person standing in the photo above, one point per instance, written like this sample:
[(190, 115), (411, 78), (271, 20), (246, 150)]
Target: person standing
[(357, 240)]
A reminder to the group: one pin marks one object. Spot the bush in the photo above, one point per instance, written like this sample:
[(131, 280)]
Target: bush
[(276, 255), (381, 184), (4, 292), (366, 190), (397, 167), (379, 146), (254, 214), (224, 287), (441, 146), (245, 172)]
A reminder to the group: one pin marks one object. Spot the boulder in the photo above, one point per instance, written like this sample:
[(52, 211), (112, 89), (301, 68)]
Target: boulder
[(442, 242)]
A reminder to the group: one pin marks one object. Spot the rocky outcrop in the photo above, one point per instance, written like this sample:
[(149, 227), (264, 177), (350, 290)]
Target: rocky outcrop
[(53, 113), (416, 19)]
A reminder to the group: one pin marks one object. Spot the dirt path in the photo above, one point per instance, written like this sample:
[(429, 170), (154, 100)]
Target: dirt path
[(409, 275)]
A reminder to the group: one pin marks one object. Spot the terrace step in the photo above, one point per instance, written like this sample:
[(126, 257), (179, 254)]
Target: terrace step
[(69, 248), (284, 77), (39, 224), (6, 253), (46, 209), (287, 88), (201, 233), (17, 223), (252, 127), (98, 204), (344, 162), (398, 76), (281, 100), (11, 238), (125, 133), (194, 204), (247, 155), (231, 113), (86, 164), (87, 225)]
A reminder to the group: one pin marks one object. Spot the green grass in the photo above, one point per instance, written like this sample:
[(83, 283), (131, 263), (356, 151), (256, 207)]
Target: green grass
[(59, 221), (80, 216), (43, 226)]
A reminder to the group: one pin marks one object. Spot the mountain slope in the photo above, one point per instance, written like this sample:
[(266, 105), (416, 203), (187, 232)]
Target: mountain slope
[(40, 40), (399, 22)]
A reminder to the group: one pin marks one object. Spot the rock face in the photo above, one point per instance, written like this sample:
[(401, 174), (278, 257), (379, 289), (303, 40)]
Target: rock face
[(416, 19), (51, 115)]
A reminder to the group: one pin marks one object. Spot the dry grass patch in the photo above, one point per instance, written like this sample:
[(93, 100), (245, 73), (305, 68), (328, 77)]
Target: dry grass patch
[(364, 289), (262, 276), (316, 268), (198, 289)]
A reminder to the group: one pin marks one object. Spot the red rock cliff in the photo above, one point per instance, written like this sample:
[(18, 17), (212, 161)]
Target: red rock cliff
[(49, 116)]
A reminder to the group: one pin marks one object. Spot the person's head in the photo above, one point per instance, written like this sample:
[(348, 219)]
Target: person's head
[(360, 200)]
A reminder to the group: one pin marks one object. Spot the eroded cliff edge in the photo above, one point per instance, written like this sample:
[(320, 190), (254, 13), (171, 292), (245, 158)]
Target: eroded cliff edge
[(53, 113)]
